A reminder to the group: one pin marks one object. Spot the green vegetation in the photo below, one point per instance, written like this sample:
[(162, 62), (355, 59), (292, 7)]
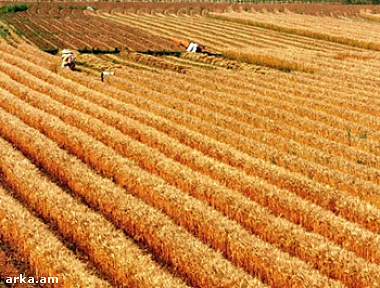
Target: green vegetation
[(362, 2), (84, 64), (362, 135), (98, 51), (53, 51), (161, 53), (83, 7), (13, 8), (19, 32), (4, 32), (75, 7)]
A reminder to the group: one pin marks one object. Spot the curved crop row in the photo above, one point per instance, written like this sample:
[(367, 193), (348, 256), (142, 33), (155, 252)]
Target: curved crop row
[(232, 175), (336, 148), (211, 26), (260, 135), (316, 110), (248, 36), (304, 186), (122, 260), (252, 19), (44, 253), (312, 140), (213, 228), (310, 95), (169, 242), (309, 58), (171, 31), (336, 28), (231, 117), (363, 215), (207, 191), (245, 183), (283, 95), (240, 136)]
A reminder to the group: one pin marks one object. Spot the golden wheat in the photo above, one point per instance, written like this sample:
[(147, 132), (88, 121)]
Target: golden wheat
[(357, 217), (218, 231), (45, 254), (169, 242), (115, 255), (204, 189)]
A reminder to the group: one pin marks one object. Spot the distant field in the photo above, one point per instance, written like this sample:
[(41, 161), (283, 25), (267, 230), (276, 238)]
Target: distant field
[(256, 164)]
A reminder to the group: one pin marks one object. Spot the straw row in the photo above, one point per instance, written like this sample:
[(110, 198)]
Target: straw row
[(300, 186), (346, 98), (243, 89), (250, 36), (271, 265), (229, 176), (363, 215), (240, 39), (248, 96), (294, 30), (259, 131), (339, 265), (238, 125), (277, 41), (44, 253), (195, 79), (273, 230), (115, 255), (170, 30), (193, 260), (239, 120), (357, 169), (205, 144), (240, 137), (315, 87), (304, 186)]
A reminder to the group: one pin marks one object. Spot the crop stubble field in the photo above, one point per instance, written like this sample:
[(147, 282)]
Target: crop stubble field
[(255, 167)]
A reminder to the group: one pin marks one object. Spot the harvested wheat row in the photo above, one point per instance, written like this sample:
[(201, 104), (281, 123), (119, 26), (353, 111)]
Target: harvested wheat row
[(167, 29), (241, 135), (257, 131), (364, 251), (116, 256), (354, 155), (263, 110), (308, 89), (171, 243), (229, 176), (287, 146), (44, 253), (363, 214), (305, 138), (240, 182), (346, 267), (285, 99), (216, 230)]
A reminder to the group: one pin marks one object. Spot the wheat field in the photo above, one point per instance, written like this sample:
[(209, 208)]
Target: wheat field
[(256, 164)]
